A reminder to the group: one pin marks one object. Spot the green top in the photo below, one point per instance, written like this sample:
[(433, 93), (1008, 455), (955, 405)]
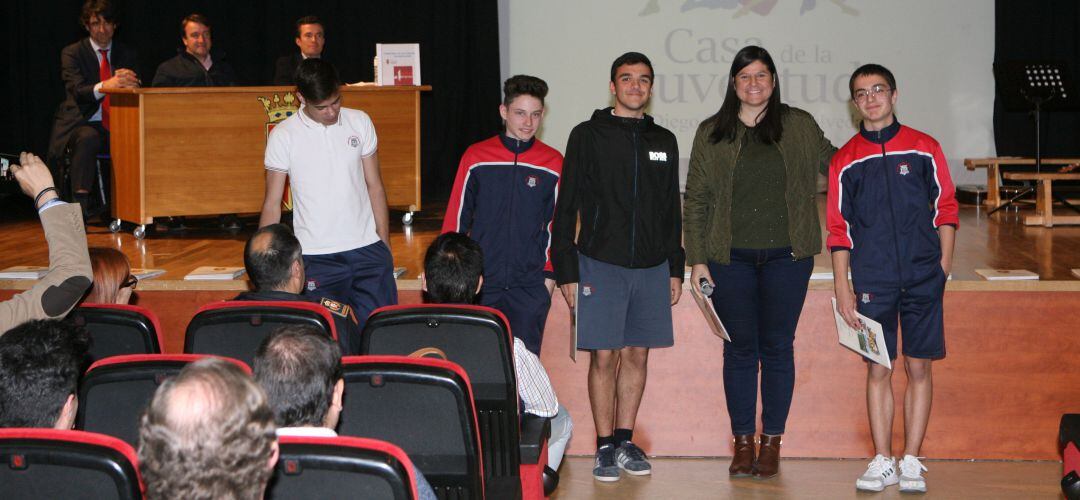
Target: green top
[(707, 223), (758, 207)]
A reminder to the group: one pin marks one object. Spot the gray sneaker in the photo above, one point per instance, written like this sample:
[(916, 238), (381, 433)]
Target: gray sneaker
[(605, 468), (633, 460)]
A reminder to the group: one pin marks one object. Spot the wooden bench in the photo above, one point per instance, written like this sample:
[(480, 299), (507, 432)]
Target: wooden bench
[(1044, 200)]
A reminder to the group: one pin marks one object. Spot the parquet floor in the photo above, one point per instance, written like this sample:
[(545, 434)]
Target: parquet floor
[(702, 478), (999, 241)]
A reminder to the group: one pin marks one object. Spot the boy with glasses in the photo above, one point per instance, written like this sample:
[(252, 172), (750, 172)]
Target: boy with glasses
[(892, 216)]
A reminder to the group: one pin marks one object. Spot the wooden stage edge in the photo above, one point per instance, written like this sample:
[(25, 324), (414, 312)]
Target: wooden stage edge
[(159, 285), (1009, 375), (243, 285)]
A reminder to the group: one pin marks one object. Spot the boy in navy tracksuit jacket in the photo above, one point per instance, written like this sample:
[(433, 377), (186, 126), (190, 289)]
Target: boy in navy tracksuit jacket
[(892, 216), (504, 198)]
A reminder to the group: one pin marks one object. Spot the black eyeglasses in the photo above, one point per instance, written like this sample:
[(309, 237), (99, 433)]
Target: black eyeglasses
[(862, 94), (131, 281)]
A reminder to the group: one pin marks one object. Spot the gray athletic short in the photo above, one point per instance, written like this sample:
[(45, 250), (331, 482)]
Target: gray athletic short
[(621, 307)]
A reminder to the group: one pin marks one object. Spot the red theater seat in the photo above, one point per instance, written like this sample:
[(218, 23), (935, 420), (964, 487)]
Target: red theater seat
[(324, 467), (49, 463), (477, 338), (114, 391), (118, 329), (236, 328), (424, 406)]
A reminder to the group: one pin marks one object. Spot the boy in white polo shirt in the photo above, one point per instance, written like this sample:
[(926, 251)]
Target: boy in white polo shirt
[(329, 156)]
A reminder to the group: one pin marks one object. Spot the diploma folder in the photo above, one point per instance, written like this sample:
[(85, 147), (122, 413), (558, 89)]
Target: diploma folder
[(573, 330), (215, 273), (24, 273), (709, 311), (1006, 274), (869, 341)]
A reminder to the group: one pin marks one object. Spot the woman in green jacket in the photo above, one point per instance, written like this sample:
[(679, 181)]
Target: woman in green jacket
[(751, 231)]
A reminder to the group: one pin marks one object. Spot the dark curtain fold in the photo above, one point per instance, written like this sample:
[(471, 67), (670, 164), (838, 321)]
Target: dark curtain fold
[(1034, 31), (459, 55)]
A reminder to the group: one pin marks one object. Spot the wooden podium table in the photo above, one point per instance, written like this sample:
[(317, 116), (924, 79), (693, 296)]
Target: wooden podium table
[(199, 150)]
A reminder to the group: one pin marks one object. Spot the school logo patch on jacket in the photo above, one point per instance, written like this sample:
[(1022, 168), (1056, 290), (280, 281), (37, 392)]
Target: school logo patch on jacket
[(335, 307), (903, 168)]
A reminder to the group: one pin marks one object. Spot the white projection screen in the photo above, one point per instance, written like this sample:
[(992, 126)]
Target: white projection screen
[(940, 51)]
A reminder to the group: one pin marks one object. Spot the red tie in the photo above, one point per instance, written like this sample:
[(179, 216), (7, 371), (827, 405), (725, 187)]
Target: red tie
[(105, 72)]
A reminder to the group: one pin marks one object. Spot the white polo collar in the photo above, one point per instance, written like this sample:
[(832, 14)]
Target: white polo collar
[(309, 123)]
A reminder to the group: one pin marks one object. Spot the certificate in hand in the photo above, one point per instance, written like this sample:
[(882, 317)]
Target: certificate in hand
[(573, 331), (868, 341), (707, 310)]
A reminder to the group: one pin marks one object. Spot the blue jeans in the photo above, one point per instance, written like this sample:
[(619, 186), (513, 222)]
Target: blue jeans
[(759, 297)]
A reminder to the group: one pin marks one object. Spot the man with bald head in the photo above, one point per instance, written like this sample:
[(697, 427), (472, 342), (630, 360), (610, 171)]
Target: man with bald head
[(273, 261), (208, 433)]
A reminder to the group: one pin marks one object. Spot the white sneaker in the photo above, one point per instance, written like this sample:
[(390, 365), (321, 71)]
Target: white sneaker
[(880, 473), (911, 480)]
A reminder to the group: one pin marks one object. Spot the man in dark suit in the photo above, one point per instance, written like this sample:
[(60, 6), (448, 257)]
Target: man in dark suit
[(197, 65), (88, 67), (310, 38)]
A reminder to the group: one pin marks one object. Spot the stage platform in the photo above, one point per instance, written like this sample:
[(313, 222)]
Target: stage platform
[(1010, 373), (707, 479), (1000, 241)]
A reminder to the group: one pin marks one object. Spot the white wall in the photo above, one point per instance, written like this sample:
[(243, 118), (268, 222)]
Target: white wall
[(940, 51)]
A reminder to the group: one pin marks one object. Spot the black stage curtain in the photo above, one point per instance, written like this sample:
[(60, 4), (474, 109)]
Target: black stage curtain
[(1037, 30), (459, 52)]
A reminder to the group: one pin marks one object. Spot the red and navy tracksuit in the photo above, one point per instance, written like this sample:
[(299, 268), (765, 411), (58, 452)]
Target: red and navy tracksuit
[(504, 198), (889, 191)]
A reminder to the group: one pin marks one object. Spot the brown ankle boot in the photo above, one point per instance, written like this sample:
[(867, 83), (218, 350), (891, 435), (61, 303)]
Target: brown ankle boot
[(768, 464), (742, 464)]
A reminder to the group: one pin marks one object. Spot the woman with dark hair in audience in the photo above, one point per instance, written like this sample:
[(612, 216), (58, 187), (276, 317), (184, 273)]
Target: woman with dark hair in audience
[(751, 231), (113, 281)]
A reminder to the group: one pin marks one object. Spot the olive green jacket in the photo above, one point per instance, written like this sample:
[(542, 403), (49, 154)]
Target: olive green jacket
[(707, 210)]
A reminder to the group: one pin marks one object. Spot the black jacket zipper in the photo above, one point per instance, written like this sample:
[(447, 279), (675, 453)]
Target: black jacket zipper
[(892, 212), (510, 209), (633, 201)]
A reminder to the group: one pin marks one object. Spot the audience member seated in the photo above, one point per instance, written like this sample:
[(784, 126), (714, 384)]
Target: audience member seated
[(310, 39), (81, 126), (69, 264), (40, 363), (196, 65), (208, 433), (113, 281), (452, 275), (299, 367), (276, 269)]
